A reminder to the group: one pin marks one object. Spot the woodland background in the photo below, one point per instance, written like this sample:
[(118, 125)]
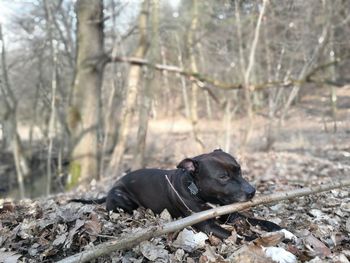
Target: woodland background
[(90, 89)]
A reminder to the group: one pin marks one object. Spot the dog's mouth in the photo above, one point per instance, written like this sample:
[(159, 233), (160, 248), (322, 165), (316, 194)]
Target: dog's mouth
[(235, 199)]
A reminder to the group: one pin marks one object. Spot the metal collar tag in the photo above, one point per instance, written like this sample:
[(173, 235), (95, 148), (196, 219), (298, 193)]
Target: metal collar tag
[(193, 188)]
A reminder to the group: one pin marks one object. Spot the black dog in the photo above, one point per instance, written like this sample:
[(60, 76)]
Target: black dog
[(208, 178)]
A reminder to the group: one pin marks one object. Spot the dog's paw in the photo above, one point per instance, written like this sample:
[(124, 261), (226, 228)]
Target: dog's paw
[(280, 255), (289, 235)]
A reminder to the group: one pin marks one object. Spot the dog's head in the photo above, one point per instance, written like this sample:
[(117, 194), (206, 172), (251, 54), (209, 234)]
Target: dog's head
[(218, 177)]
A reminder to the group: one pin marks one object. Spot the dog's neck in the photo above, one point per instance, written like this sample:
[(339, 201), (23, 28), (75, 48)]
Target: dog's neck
[(191, 185)]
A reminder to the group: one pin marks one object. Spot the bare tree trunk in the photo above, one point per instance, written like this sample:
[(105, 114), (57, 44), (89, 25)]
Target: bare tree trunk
[(114, 105), (165, 78), (21, 174), (333, 92), (52, 120), (183, 80), (132, 90), (146, 101), (322, 42), (271, 129), (9, 118), (10, 123), (247, 75), (206, 92), (194, 68), (242, 63), (83, 117), (35, 117), (229, 113)]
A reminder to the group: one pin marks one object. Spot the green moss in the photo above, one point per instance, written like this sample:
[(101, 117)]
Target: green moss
[(75, 172)]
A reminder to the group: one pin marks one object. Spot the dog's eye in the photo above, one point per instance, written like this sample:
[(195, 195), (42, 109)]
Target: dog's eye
[(224, 176)]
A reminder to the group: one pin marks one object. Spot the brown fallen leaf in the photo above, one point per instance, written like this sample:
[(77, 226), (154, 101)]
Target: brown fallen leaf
[(78, 224), (214, 241), (269, 239), (249, 254), (338, 238), (7, 207), (93, 227), (210, 256), (315, 246)]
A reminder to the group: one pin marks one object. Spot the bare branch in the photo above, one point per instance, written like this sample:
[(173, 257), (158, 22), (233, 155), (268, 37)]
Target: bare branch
[(206, 80)]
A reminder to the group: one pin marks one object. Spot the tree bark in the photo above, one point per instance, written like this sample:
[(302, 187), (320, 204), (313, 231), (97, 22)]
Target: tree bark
[(11, 136), (83, 116), (333, 92), (182, 78), (113, 108), (52, 121), (146, 100), (194, 68), (132, 91), (130, 241), (165, 78), (247, 75)]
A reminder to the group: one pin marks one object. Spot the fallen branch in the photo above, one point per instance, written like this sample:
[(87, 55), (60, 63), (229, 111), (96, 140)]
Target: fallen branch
[(129, 241)]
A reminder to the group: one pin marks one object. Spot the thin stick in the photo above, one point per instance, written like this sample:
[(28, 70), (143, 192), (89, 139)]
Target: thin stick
[(129, 241)]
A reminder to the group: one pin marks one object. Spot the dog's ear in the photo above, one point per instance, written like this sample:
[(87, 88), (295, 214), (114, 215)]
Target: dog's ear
[(189, 164)]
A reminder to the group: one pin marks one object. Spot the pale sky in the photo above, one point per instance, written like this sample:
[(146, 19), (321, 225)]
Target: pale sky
[(10, 8)]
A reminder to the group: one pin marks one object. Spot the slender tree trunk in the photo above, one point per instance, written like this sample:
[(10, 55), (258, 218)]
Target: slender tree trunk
[(10, 102), (183, 80), (52, 120), (203, 69), (114, 106), (247, 75), (165, 78), (194, 68), (333, 92), (229, 113), (10, 123), (146, 100), (132, 90), (83, 117), (271, 132)]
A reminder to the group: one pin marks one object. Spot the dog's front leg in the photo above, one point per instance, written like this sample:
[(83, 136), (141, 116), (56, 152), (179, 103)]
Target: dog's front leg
[(263, 224), (210, 227)]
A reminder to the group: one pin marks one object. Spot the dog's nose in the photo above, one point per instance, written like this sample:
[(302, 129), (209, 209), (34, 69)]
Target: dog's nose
[(251, 193)]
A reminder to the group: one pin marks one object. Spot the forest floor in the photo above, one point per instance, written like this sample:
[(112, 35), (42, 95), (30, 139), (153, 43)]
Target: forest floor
[(305, 152)]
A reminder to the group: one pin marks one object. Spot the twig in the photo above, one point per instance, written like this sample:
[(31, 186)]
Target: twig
[(129, 241)]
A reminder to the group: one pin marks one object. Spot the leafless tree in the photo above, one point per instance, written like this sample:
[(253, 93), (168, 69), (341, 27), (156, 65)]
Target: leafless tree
[(83, 117)]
